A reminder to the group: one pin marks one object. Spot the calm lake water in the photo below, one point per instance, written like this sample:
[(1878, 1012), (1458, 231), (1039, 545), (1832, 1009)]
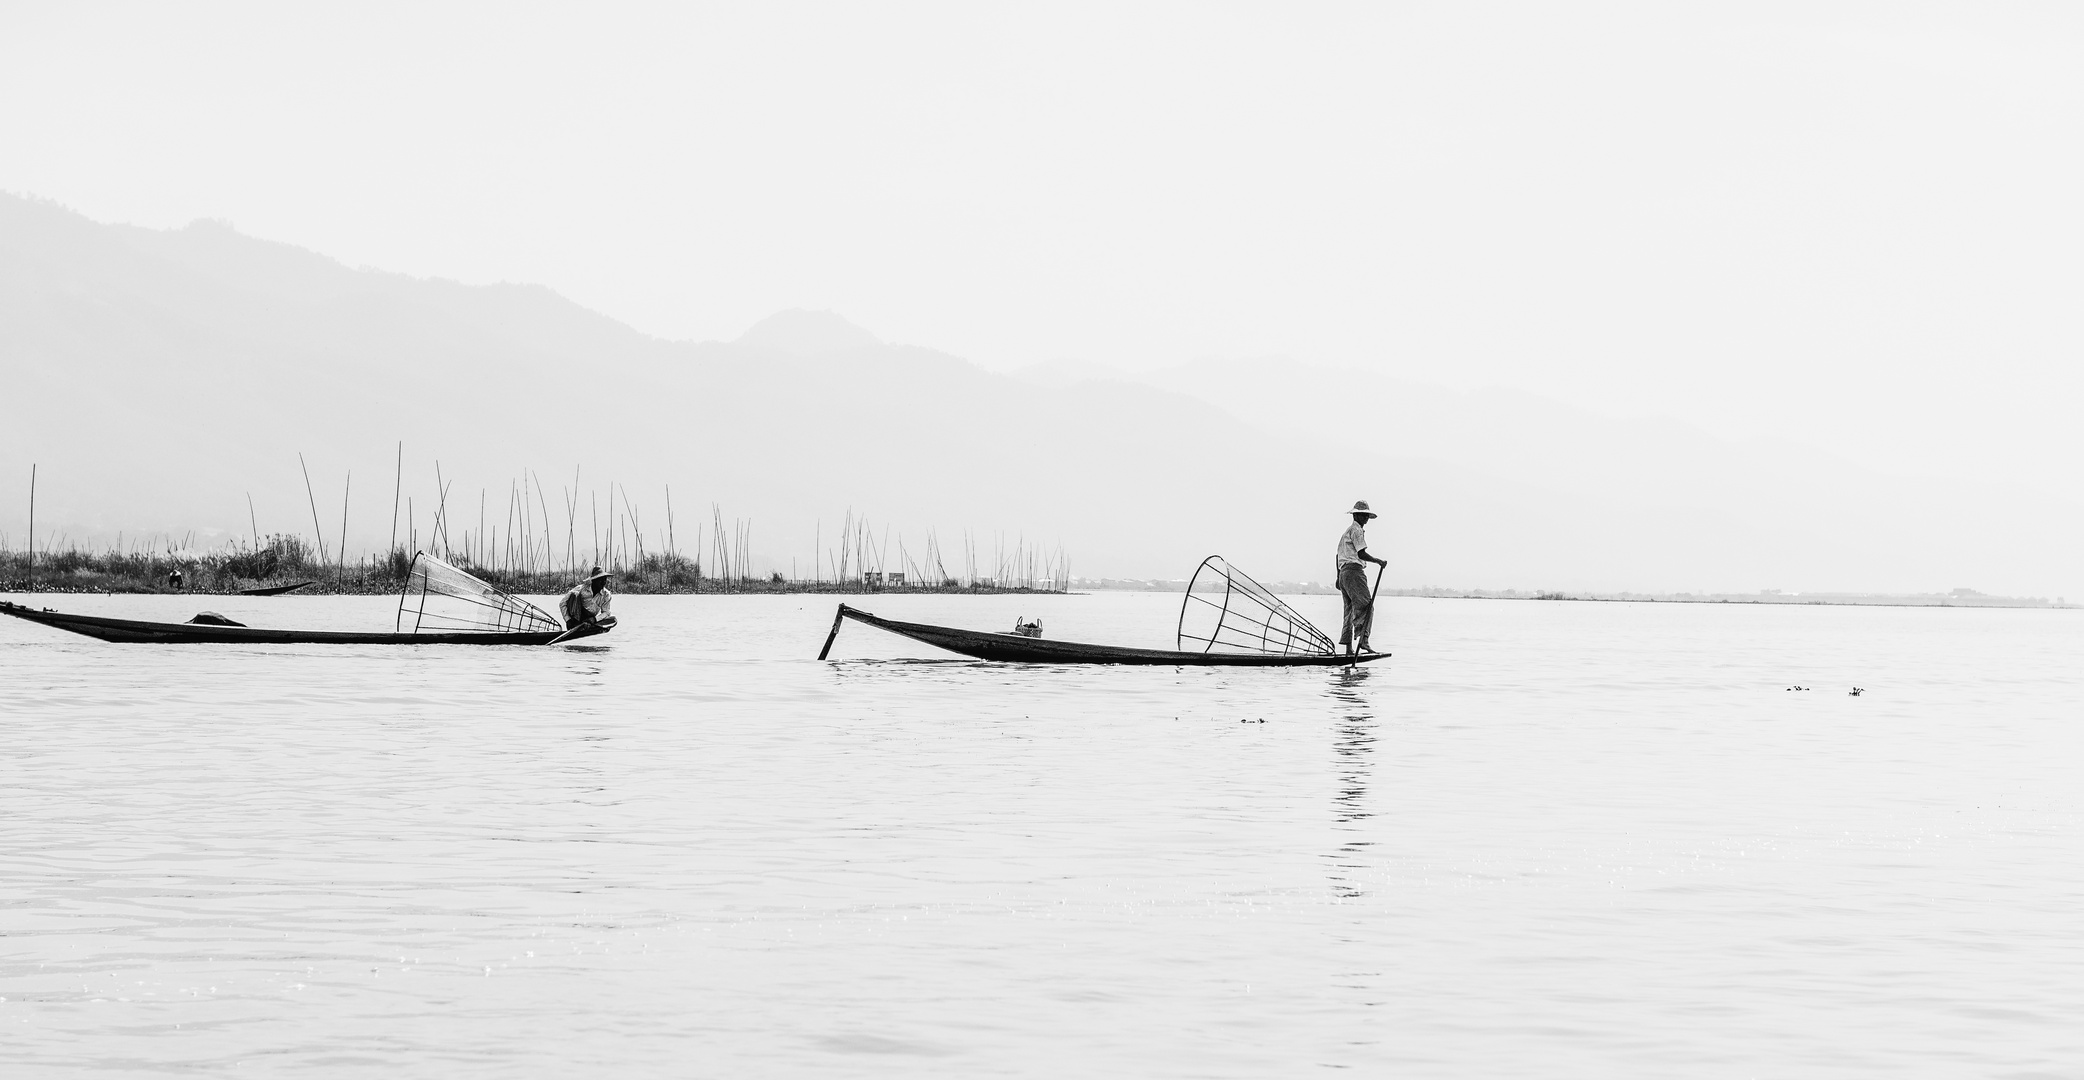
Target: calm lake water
[(1547, 839)]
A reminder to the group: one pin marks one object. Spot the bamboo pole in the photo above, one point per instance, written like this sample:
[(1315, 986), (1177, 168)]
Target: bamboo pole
[(254, 520), (317, 530), (344, 488), (507, 551), (613, 525), (636, 525), (546, 522), (397, 486), (440, 527), (32, 525), (716, 533)]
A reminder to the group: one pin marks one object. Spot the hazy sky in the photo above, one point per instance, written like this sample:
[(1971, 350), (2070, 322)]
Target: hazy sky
[(1852, 224)]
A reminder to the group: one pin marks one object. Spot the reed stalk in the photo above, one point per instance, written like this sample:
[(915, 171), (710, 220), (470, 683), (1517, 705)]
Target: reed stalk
[(317, 530), (397, 486)]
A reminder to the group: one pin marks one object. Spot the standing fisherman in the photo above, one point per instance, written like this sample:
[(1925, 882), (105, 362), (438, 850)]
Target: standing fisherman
[(1353, 581), (588, 602)]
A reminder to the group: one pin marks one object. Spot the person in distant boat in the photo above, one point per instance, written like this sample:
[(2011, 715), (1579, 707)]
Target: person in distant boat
[(173, 578), (1353, 580), (587, 603)]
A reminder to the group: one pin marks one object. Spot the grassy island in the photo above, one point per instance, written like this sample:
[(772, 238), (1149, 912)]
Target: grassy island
[(288, 560)]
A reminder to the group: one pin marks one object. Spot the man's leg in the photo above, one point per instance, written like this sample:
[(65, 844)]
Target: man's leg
[(1353, 590)]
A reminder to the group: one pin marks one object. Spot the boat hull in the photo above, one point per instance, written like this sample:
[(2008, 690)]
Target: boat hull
[(275, 590), (1017, 649), (136, 630)]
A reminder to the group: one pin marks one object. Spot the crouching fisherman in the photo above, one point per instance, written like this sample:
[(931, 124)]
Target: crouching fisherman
[(587, 603)]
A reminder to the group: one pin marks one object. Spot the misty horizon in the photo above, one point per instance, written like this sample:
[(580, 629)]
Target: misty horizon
[(1502, 434)]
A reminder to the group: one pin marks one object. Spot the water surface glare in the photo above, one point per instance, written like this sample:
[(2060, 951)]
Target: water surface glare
[(1547, 839)]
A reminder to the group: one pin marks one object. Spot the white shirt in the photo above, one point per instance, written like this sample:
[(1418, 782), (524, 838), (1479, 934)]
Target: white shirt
[(1351, 543)]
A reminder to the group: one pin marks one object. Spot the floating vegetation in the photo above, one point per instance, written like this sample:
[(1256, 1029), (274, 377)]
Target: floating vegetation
[(519, 547)]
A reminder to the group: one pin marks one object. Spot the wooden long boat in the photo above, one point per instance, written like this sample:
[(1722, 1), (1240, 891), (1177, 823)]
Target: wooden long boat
[(107, 629), (275, 590), (1019, 649)]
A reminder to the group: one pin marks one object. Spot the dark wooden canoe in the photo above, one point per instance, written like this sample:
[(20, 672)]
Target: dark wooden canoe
[(275, 590), (1017, 649), (95, 626)]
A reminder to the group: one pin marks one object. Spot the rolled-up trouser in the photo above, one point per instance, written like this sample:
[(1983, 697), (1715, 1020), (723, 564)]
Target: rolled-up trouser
[(1360, 607)]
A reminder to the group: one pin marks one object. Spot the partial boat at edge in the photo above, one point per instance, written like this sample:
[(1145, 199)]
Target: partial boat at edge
[(108, 629), (442, 605)]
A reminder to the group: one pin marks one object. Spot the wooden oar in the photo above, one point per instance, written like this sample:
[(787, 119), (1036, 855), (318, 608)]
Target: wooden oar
[(1380, 568), (1353, 647), (836, 617), (589, 628)]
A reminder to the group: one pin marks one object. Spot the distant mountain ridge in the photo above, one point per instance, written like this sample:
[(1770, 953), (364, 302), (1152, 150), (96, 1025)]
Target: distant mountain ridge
[(159, 376), (798, 332)]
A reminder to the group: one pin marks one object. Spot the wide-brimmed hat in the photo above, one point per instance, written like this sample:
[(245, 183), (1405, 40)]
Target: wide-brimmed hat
[(597, 572), (1361, 507)]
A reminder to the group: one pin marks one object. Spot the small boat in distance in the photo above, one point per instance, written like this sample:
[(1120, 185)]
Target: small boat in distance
[(440, 605), (275, 590), (1234, 621)]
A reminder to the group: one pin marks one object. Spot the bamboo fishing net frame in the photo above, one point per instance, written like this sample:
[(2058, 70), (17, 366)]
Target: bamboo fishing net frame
[(1247, 617), (452, 601)]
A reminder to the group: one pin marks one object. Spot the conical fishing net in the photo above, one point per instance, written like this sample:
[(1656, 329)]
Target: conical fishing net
[(1226, 611), (444, 600)]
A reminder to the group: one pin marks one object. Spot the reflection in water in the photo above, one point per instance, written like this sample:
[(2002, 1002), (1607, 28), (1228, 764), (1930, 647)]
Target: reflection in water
[(1354, 740)]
